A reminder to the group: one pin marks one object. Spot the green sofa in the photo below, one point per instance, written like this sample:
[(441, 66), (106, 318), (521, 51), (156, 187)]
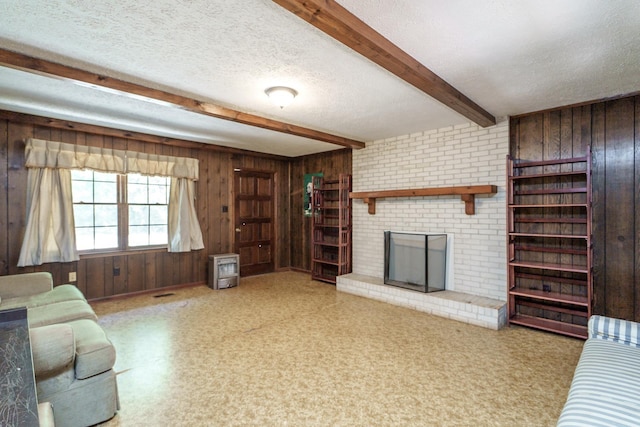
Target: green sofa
[(72, 357)]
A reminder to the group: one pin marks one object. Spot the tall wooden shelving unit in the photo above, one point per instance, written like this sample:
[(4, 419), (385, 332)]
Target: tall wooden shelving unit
[(549, 244), (331, 228)]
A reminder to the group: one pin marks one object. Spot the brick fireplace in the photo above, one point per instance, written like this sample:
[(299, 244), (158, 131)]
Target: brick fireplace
[(454, 156)]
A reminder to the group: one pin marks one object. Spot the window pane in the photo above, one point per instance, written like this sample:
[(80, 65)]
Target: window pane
[(106, 215), (158, 180), (83, 215), (138, 214), (138, 235), (158, 215), (137, 193), (105, 192), (136, 178), (158, 235), (82, 191), (106, 237), (96, 209), (96, 224), (82, 175), (84, 238), (105, 177), (158, 194)]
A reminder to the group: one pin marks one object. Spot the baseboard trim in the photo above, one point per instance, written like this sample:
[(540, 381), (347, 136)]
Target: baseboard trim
[(148, 291)]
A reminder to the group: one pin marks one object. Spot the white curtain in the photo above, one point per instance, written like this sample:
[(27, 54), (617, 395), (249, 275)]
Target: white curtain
[(184, 230), (50, 231), (158, 165), (59, 155)]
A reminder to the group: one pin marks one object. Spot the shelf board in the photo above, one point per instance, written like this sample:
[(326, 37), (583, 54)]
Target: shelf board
[(569, 329), (566, 190), (533, 163), (331, 245), (549, 174), (549, 205), (561, 251), (547, 278), (324, 278), (551, 220), (548, 266), (550, 296), (324, 261), (467, 195), (553, 307), (545, 235)]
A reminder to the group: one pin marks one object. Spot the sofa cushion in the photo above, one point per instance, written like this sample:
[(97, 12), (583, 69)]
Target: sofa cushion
[(59, 312), (614, 330), (18, 285), (53, 348), (58, 294), (605, 386), (94, 352)]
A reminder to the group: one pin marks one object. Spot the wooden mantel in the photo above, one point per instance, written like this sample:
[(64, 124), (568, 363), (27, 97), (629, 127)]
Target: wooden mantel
[(466, 193)]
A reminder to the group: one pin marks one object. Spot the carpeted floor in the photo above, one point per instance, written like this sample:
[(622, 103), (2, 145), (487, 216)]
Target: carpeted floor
[(282, 350)]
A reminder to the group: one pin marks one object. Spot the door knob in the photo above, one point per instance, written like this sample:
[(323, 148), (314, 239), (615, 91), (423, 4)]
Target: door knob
[(238, 230)]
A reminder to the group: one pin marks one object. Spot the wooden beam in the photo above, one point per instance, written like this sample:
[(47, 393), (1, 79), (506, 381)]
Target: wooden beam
[(467, 195), (48, 122), (84, 78), (337, 22)]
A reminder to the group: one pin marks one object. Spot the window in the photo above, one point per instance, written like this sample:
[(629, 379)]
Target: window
[(148, 198), (119, 212)]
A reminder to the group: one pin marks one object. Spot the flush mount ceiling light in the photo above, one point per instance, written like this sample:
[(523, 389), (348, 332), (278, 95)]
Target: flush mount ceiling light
[(281, 95)]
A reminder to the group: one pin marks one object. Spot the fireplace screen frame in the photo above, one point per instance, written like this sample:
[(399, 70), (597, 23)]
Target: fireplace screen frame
[(433, 283)]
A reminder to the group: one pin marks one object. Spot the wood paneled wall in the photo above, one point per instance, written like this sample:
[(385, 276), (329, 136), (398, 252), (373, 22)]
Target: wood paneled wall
[(331, 164), (611, 130), (143, 270)]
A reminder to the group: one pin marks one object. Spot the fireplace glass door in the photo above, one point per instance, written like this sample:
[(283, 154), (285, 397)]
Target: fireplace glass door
[(415, 261)]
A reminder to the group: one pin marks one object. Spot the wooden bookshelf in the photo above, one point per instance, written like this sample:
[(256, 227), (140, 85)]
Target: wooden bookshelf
[(549, 244), (331, 228)]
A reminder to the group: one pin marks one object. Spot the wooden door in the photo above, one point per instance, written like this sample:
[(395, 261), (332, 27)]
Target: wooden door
[(254, 222)]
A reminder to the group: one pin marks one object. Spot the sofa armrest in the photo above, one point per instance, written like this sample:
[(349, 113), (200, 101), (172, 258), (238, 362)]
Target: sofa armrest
[(22, 285), (53, 348), (616, 330)]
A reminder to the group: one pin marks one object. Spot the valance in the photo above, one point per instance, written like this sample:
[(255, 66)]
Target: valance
[(59, 155)]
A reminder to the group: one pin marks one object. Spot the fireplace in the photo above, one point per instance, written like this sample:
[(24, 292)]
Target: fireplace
[(415, 261)]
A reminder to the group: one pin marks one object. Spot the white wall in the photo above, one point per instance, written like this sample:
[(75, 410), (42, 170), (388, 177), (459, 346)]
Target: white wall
[(459, 155)]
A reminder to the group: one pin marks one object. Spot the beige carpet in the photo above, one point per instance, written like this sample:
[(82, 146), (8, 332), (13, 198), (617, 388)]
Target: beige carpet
[(282, 350)]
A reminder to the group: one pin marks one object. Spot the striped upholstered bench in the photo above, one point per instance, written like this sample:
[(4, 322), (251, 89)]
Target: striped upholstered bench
[(605, 390)]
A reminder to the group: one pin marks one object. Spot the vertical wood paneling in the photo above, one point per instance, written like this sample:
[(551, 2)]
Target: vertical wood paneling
[(598, 197), (119, 263), (636, 180), (146, 270), (81, 273), (620, 206), (135, 273), (611, 131), (4, 192), (331, 164), (95, 274), (108, 279), (16, 193), (150, 270)]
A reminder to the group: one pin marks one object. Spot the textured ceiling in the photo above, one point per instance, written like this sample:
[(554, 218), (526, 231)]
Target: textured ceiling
[(509, 57)]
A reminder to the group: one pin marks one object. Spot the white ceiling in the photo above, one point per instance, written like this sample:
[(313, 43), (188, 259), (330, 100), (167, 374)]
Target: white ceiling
[(510, 57)]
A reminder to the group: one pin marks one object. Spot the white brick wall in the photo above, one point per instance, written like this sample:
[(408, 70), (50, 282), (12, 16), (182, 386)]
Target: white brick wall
[(456, 155)]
